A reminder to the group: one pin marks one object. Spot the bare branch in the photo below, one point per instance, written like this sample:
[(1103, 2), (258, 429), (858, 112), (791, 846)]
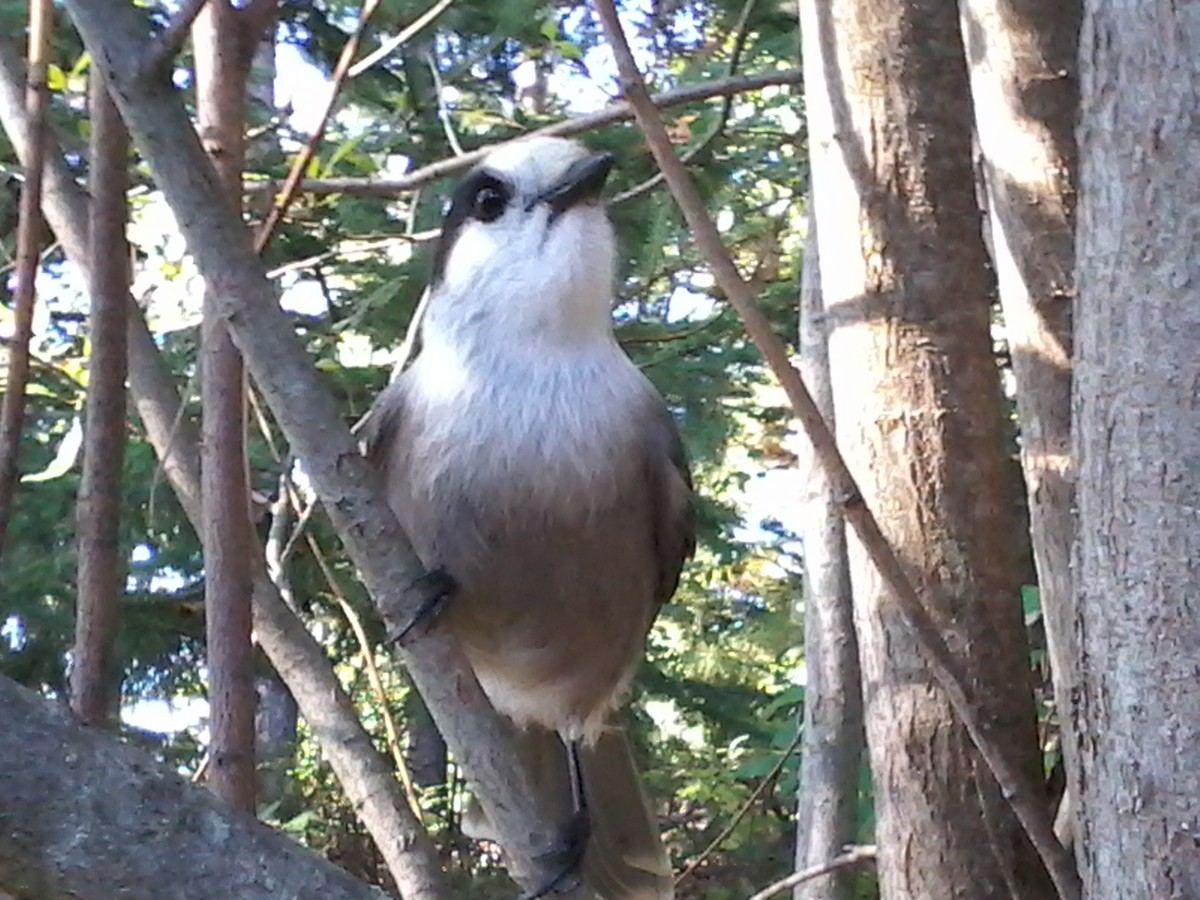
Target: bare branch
[(309, 417), (29, 236), (361, 770), (167, 43), (221, 43), (94, 681), (1015, 786), (832, 752), (618, 112), (758, 791), (304, 157), (850, 858), (393, 44), (740, 32)]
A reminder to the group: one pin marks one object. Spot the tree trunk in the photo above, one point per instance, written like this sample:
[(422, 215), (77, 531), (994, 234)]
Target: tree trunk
[(1137, 441), (95, 680), (1024, 79), (28, 260), (919, 419), (831, 753), (223, 53), (102, 819)]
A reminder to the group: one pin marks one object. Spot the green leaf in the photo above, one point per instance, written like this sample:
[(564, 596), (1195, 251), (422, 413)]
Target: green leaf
[(64, 459), (56, 78), (786, 699), (1031, 603)]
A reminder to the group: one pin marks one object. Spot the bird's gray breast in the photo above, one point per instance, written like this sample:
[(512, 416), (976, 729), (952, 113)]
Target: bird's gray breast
[(528, 488)]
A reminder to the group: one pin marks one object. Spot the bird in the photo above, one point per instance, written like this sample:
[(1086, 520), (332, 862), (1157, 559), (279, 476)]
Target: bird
[(532, 462)]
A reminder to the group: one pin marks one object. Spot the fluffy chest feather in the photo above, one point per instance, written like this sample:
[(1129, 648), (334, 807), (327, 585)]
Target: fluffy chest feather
[(535, 429)]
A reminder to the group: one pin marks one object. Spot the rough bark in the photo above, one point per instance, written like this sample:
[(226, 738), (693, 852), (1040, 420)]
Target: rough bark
[(831, 752), (95, 681), (364, 774), (1136, 408), (1022, 56), (275, 725), (223, 54), (102, 819), (426, 747), (918, 404)]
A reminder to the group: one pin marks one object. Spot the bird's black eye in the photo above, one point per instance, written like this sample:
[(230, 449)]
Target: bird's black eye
[(489, 202)]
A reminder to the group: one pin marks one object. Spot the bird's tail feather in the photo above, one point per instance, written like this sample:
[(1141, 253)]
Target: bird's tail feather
[(625, 858)]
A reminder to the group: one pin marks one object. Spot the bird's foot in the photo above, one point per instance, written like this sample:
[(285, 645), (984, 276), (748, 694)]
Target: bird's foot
[(565, 860), (434, 589)]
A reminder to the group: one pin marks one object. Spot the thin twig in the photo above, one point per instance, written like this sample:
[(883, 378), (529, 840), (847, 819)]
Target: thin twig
[(168, 42), (852, 857), (420, 237), (277, 563), (29, 235), (740, 33), (392, 44), (1022, 795), (340, 71), (391, 733), (443, 110), (758, 791), (618, 112)]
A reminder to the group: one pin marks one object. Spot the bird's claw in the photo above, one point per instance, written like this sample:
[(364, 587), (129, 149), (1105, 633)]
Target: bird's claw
[(565, 860), (435, 587)]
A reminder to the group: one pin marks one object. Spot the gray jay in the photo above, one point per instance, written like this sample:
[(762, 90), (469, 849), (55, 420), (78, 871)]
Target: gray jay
[(531, 461)]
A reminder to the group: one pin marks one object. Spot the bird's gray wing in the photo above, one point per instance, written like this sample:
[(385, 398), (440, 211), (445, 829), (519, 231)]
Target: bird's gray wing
[(669, 485), (379, 428)]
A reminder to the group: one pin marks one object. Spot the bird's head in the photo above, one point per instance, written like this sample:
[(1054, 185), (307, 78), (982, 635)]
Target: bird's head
[(526, 246)]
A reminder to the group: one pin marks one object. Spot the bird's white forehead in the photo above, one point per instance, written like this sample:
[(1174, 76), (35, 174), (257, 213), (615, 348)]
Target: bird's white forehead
[(536, 162)]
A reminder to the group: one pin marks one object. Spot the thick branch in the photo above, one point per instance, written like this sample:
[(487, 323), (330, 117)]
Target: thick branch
[(363, 773), (618, 112), (1016, 787), (350, 490), (94, 680), (103, 819), (29, 233)]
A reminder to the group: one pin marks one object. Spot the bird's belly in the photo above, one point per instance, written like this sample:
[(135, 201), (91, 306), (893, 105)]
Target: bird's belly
[(531, 495), (554, 622)]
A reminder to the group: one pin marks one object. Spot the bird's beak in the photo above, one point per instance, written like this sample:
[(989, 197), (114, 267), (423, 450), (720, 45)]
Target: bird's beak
[(583, 182)]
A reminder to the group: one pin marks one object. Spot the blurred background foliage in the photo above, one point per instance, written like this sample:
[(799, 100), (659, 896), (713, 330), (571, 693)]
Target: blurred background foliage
[(716, 706)]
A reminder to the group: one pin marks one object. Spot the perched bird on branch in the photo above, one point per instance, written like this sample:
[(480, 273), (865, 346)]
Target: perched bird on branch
[(533, 463)]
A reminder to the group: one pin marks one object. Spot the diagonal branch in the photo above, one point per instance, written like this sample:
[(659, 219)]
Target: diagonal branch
[(393, 44), (1020, 792), (303, 406), (618, 112), (168, 42), (309, 150), (363, 773), (29, 235), (854, 857)]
